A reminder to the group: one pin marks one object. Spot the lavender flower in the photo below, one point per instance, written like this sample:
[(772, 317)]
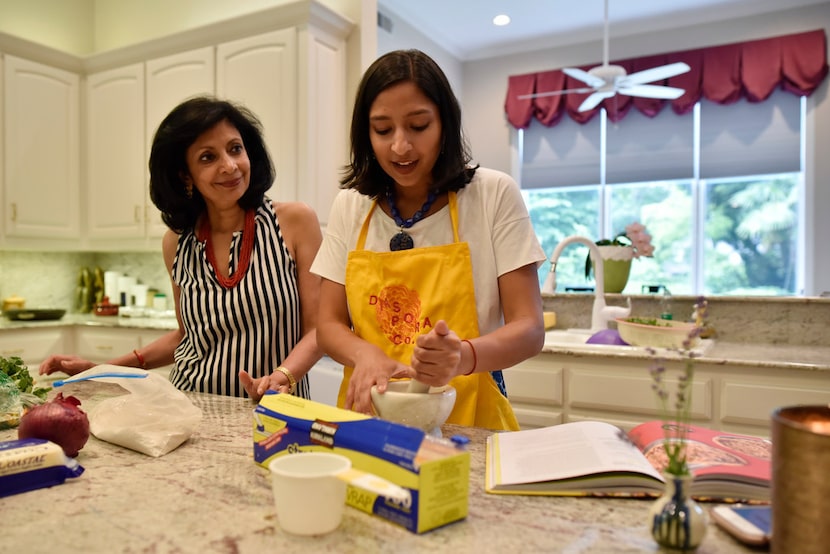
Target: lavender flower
[(675, 407)]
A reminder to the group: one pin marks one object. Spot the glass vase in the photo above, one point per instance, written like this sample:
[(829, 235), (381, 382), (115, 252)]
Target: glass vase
[(676, 520)]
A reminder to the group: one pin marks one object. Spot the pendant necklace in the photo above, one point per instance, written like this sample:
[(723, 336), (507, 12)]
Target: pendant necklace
[(248, 235), (403, 241)]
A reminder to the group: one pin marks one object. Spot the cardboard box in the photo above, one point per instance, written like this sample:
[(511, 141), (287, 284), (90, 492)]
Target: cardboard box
[(434, 470)]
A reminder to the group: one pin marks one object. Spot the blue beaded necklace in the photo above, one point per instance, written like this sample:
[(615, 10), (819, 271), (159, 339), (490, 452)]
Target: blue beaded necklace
[(403, 241)]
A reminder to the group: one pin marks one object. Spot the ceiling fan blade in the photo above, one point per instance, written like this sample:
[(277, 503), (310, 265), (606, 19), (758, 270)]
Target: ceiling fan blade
[(584, 76), (555, 92), (593, 101), (652, 91), (655, 74)]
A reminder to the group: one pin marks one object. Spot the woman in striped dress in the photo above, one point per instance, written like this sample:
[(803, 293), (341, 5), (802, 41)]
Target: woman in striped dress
[(245, 300)]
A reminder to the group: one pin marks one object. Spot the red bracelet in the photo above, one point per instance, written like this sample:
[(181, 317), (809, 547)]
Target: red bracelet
[(475, 358), (141, 362)]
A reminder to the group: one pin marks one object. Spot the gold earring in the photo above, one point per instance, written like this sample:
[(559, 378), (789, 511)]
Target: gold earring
[(188, 190)]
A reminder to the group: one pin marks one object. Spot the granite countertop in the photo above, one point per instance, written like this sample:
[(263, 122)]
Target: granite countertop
[(166, 320), (209, 496), (782, 356), (776, 356)]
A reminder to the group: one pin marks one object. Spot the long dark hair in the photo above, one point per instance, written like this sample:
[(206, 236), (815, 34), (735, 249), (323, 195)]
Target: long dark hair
[(168, 158), (451, 170)]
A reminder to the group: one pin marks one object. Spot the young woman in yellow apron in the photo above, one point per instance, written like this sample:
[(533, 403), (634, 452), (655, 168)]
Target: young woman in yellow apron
[(428, 265)]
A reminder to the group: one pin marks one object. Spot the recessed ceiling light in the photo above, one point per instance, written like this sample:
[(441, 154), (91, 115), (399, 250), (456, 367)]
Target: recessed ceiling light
[(501, 20)]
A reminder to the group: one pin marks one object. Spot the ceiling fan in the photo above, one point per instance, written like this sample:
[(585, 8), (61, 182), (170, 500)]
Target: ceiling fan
[(606, 80)]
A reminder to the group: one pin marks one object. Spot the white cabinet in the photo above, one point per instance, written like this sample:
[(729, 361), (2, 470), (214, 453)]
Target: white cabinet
[(116, 198), (260, 73), (41, 156), (556, 388), (100, 344), (169, 81), (32, 345)]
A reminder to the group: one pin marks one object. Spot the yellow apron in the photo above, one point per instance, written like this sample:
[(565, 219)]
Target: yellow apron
[(395, 296)]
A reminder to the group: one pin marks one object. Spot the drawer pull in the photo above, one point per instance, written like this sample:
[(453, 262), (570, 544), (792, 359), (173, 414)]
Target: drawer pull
[(104, 348)]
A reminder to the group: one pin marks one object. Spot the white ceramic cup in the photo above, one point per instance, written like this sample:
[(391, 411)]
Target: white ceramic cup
[(308, 495)]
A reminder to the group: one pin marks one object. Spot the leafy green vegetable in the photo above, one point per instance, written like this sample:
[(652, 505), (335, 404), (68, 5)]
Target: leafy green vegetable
[(648, 321), (18, 372)]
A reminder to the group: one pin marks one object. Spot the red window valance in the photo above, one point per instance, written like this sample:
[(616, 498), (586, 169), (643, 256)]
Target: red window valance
[(797, 63)]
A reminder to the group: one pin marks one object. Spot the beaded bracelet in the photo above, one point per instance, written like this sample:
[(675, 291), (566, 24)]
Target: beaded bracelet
[(141, 362), (475, 358), (292, 383)]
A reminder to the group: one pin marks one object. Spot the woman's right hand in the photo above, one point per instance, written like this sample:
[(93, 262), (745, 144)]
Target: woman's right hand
[(70, 365)]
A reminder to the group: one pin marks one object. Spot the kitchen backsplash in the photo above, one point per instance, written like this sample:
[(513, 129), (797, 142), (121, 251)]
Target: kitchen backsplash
[(49, 279), (741, 319)]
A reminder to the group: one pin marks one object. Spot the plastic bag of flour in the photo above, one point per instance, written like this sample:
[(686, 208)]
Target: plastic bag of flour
[(154, 419)]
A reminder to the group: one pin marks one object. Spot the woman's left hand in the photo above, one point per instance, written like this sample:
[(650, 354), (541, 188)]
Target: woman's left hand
[(436, 356), (257, 387)]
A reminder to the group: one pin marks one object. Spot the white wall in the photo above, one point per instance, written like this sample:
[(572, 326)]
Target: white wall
[(66, 25), (404, 36), (84, 27)]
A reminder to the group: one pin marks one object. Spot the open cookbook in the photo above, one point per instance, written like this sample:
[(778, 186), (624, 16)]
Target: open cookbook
[(592, 458)]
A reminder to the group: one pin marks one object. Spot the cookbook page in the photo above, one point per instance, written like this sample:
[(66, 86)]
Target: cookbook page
[(564, 451)]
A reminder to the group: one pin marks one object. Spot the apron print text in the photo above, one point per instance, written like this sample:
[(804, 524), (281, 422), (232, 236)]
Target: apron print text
[(398, 313)]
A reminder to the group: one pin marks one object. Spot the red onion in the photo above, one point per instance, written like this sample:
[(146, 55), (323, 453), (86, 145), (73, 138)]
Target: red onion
[(60, 420)]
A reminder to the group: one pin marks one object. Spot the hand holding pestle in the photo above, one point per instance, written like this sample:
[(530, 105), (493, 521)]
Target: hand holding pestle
[(442, 330)]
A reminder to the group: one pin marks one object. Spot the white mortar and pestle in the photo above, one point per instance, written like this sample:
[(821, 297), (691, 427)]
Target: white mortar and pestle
[(415, 403)]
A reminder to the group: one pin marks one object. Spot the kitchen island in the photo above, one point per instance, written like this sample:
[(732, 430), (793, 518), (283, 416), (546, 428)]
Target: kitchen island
[(209, 496)]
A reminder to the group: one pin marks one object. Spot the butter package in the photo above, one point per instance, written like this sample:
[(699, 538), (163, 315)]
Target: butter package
[(434, 470), (29, 464)]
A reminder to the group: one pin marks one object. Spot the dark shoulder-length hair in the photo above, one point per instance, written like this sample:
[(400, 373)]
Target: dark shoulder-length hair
[(451, 170), (168, 158)]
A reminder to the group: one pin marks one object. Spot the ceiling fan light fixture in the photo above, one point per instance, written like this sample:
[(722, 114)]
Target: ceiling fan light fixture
[(606, 80)]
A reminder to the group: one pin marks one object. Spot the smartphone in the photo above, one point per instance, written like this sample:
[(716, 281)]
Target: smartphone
[(749, 524)]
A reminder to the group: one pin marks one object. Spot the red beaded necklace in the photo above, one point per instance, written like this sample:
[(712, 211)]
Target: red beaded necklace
[(248, 236)]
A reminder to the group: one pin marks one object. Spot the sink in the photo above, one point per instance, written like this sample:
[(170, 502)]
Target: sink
[(574, 340)]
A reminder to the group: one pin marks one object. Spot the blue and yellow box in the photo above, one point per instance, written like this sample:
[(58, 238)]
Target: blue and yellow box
[(434, 470)]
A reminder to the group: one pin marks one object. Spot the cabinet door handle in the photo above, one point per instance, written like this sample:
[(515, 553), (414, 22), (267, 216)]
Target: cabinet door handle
[(14, 212), (103, 348)]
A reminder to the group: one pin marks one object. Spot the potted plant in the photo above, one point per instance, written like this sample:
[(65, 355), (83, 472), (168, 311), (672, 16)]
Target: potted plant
[(617, 254)]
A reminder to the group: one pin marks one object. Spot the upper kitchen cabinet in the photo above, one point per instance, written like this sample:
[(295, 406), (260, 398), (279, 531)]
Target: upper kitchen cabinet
[(260, 73), (41, 152), (170, 80), (116, 206)]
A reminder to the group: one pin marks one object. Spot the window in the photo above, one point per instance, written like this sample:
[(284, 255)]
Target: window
[(719, 190)]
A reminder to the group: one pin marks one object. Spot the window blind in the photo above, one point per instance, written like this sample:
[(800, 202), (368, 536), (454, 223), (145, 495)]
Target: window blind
[(565, 155), (750, 139)]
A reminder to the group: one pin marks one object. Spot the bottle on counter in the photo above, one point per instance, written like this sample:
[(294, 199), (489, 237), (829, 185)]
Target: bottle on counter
[(83, 291)]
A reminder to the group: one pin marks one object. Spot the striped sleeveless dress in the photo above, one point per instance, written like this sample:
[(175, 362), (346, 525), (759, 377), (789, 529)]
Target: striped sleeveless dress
[(252, 326)]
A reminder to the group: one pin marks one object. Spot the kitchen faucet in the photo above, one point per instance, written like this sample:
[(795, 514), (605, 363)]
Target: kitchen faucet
[(601, 314)]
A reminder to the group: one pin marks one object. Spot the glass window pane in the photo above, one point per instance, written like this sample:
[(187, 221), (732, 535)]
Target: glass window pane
[(751, 235), (665, 209), (557, 213)]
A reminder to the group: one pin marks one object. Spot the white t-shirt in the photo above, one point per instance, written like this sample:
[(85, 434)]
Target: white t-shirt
[(492, 219)]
